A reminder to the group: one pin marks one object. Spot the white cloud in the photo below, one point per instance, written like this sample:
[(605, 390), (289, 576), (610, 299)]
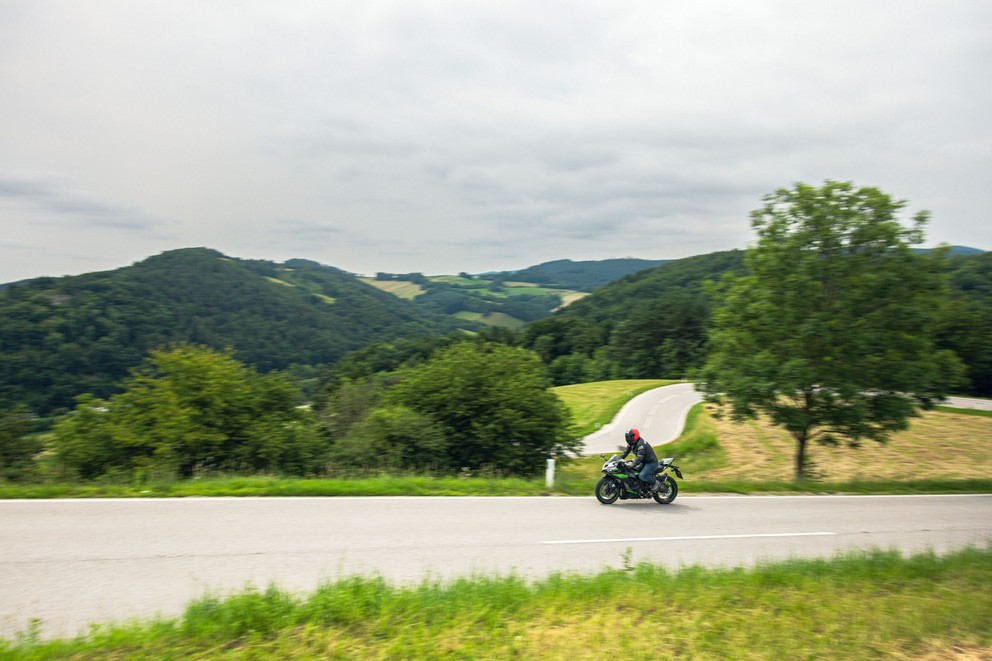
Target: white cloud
[(444, 136)]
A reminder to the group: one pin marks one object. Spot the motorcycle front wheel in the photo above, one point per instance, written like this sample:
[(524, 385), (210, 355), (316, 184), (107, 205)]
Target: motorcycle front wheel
[(667, 491), (607, 491)]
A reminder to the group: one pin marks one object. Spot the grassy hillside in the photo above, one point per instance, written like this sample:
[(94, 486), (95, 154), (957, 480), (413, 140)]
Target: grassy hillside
[(486, 300)]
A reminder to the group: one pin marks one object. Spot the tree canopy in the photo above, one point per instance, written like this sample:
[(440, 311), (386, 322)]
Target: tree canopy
[(63, 336), (832, 330), (191, 409), (493, 403)]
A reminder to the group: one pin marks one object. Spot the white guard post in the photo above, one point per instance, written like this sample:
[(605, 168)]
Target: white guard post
[(549, 474)]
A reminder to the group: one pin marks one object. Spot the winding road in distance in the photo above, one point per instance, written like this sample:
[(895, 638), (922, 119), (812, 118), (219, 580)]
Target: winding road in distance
[(659, 414)]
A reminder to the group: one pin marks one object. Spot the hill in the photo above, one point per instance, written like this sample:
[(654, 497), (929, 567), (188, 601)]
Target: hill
[(60, 337), (486, 299), (581, 276), (63, 336), (649, 324), (509, 298), (653, 324)]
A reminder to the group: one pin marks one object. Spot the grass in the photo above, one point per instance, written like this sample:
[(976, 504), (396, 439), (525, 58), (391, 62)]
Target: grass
[(863, 605), (400, 288), (595, 404)]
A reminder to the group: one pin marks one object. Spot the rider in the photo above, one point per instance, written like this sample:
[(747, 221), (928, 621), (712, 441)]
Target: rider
[(645, 460)]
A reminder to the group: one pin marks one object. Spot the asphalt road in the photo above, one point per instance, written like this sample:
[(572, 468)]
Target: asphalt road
[(658, 414), (73, 562)]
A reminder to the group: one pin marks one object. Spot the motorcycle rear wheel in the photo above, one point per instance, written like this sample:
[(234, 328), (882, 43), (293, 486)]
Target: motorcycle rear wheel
[(607, 491), (667, 491)]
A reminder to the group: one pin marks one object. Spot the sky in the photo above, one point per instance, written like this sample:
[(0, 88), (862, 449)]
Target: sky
[(446, 136)]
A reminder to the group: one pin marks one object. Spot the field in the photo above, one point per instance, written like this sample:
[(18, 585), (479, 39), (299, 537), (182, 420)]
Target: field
[(942, 445), (399, 288)]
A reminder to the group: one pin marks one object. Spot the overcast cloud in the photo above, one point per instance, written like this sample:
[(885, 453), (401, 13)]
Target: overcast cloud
[(446, 136)]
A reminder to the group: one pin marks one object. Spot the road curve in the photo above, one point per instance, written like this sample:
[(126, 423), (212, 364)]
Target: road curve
[(74, 562), (659, 414)]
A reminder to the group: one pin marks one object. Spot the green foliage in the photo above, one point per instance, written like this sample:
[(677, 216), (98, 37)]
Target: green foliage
[(63, 336), (457, 296), (188, 410), (651, 324), (494, 406), (967, 319), (385, 358), (17, 447), (832, 331), (394, 438)]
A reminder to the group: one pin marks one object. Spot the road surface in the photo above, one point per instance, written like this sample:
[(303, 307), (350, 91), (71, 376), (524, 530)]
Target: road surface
[(74, 562), (659, 415)]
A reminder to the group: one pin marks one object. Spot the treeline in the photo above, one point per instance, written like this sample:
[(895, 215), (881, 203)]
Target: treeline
[(655, 324), (63, 336), (190, 411)]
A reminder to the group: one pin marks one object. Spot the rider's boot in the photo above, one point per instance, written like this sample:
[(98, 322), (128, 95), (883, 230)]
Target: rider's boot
[(656, 485)]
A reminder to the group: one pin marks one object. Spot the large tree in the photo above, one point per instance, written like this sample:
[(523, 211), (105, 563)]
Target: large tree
[(493, 404), (191, 409), (831, 333)]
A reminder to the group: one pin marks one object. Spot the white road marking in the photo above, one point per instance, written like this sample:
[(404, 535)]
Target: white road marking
[(687, 537)]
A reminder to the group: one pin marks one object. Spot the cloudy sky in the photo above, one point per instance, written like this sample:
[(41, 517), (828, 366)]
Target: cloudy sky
[(444, 136)]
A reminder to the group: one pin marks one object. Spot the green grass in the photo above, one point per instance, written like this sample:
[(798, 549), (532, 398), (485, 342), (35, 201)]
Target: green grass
[(595, 404), (863, 605), (977, 412)]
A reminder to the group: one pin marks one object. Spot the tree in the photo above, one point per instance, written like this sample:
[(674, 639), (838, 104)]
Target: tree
[(968, 319), (493, 403), (396, 437), (189, 409), (17, 447), (831, 333)]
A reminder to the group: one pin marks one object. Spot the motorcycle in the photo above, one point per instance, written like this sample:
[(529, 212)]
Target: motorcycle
[(619, 482)]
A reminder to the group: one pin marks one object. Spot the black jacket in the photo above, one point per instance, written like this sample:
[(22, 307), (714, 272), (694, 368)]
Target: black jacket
[(643, 453)]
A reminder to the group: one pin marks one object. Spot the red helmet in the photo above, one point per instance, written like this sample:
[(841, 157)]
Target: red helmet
[(632, 435)]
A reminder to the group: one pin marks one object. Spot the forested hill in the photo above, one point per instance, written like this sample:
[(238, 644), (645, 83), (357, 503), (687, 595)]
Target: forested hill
[(582, 276), (646, 324), (630, 295), (655, 323), (60, 337)]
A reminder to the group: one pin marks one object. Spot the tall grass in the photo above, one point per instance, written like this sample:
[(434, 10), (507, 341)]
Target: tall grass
[(864, 605)]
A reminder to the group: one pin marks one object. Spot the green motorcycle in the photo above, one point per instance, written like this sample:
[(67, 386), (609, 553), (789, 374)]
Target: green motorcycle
[(620, 482)]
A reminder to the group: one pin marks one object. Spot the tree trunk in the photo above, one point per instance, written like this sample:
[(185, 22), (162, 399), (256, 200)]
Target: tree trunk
[(801, 440)]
